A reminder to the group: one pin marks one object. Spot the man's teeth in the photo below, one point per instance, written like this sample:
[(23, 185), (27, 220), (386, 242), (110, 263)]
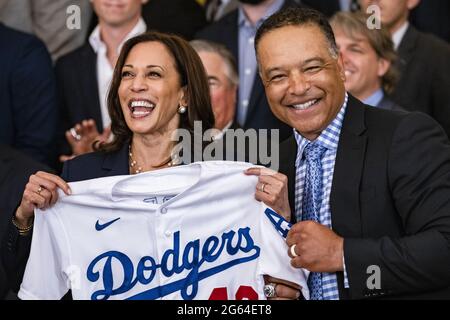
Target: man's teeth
[(145, 104), (305, 105)]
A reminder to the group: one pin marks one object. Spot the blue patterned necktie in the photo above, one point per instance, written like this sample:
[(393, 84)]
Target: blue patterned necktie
[(312, 198)]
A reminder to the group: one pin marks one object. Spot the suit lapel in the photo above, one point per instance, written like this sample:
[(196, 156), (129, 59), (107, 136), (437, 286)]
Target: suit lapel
[(345, 190), (406, 48), (88, 78)]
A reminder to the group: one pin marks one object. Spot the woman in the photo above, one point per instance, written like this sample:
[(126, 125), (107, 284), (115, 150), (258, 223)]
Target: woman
[(159, 85)]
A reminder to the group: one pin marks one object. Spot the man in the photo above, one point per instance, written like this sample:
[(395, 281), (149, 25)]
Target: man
[(27, 96), (369, 187), (83, 76), (368, 56), (236, 31), (423, 62), (223, 82)]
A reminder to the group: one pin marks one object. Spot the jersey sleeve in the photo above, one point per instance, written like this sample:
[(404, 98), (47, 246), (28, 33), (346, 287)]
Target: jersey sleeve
[(274, 259), (44, 278)]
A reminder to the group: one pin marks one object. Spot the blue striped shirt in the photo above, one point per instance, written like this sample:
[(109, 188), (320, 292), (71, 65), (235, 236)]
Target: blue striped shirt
[(329, 139)]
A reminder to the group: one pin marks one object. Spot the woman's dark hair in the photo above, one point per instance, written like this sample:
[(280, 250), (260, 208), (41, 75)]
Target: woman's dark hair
[(192, 76)]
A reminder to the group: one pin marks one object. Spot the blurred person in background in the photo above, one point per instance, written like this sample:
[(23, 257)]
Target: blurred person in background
[(423, 62), (84, 75), (27, 96), (236, 31), (223, 81), (368, 57)]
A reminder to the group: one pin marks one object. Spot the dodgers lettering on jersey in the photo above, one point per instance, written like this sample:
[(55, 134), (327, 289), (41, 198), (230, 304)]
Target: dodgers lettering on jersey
[(201, 236), (212, 248)]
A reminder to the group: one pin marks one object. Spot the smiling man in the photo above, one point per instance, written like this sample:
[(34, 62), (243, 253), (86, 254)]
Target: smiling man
[(368, 57), (368, 187)]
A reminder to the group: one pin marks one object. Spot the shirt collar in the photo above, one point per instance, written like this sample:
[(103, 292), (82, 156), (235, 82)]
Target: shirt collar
[(375, 98), (243, 20), (398, 35), (328, 138), (96, 41)]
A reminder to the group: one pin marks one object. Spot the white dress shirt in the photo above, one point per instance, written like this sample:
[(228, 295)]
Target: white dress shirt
[(398, 35)]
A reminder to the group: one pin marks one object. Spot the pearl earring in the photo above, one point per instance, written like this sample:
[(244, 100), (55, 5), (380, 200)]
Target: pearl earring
[(182, 109)]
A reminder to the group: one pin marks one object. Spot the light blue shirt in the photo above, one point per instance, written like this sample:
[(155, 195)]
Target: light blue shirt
[(345, 5), (247, 58), (375, 98)]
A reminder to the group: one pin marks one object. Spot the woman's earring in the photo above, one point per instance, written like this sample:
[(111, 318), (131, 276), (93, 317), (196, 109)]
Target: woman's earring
[(182, 109)]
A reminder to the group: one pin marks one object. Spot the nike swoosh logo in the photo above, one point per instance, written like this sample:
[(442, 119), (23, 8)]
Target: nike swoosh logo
[(100, 227)]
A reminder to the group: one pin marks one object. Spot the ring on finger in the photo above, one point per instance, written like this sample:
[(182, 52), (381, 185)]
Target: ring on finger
[(293, 253), (74, 134), (39, 190), (270, 290), (263, 185)]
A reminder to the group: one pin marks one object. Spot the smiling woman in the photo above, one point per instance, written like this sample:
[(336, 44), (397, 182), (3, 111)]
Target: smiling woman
[(159, 85)]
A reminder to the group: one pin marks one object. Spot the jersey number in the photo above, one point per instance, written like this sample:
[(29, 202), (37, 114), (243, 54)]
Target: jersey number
[(243, 293)]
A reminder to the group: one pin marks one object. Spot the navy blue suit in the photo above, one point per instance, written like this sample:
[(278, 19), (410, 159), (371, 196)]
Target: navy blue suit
[(27, 95)]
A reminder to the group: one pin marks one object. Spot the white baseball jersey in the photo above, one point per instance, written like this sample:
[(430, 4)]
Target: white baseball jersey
[(187, 232)]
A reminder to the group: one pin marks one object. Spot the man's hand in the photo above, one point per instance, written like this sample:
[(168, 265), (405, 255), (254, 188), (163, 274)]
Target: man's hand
[(272, 189), (318, 248), (285, 290)]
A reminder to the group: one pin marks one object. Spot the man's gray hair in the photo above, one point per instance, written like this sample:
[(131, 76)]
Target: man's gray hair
[(222, 51)]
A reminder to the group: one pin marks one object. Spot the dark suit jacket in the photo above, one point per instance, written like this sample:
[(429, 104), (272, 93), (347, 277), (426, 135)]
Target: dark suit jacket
[(78, 99), (27, 95), (424, 64), (15, 170), (388, 104), (390, 202), (259, 115), (327, 7), (181, 17), (432, 16)]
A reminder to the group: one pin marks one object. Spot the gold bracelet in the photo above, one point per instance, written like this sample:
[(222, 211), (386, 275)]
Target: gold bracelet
[(22, 231)]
